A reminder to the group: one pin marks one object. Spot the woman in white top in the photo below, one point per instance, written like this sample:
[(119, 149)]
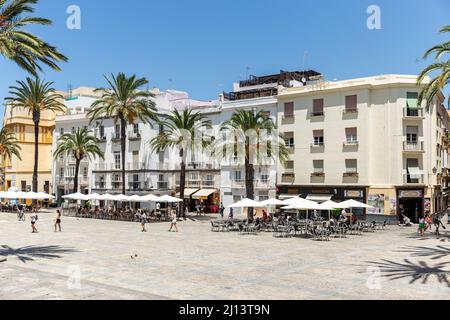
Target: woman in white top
[(173, 217)]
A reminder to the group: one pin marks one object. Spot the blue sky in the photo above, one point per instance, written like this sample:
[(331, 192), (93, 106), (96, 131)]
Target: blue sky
[(202, 46)]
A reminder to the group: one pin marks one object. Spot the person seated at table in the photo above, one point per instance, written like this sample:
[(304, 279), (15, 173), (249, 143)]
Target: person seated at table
[(265, 216), (342, 217)]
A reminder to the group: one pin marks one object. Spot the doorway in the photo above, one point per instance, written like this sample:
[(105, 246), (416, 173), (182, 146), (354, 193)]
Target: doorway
[(412, 208)]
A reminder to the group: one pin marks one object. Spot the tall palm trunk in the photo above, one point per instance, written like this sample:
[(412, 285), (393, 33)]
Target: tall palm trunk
[(36, 119), (182, 182), (75, 180), (123, 141), (249, 185)]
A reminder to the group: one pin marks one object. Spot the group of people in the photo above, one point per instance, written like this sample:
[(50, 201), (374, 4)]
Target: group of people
[(172, 213), (34, 219), (427, 221)]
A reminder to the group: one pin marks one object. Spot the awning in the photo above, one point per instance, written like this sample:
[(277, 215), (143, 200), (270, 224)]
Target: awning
[(188, 192), (204, 193), (415, 173), (319, 197), (288, 196)]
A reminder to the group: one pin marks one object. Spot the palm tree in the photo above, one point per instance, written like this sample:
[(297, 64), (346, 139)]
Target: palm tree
[(252, 130), (37, 96), (81, 144), (439, 67), (180, 130), (25, 49), (8, 145), (125, 104)]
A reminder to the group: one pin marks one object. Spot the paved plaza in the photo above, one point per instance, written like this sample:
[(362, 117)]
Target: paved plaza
[(95, 259)]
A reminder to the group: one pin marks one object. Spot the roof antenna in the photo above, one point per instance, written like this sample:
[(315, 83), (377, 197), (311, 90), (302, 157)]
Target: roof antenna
[(69, 90), (247, 73)]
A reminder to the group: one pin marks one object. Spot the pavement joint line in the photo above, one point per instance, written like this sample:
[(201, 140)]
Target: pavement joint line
[(95, 283)]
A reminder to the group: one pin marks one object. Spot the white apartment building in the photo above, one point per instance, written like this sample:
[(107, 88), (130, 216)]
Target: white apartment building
[(146, 171), (78, 103), (256, 94), (365, 139)]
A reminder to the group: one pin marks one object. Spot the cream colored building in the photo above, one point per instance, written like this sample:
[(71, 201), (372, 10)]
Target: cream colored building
[(19, 173), (365, 139)]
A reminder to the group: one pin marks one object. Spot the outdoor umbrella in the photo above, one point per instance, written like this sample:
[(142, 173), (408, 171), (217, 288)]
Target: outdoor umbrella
[(150, 198), (121, 198), (76, 196), (169, 199), (305, 205), (355, 204), (135, 198), (329, 205), (273, 202), (246, 203), (45, 196)]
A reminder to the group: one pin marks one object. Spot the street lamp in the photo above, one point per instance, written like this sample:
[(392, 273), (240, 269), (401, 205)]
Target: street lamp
[(434, 170)]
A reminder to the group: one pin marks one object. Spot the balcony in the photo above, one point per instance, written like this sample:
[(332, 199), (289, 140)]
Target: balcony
[(163, 185), (135, 185), (134, 136), (318, 174), (316, 114), (262, 184), (350, 111), (135, 166), (351, 174), (100, 167), (351, 143), (238, 184), (413, 178), (413, 114), (116, 138), (288, 178), (208, 183), (413, 147), (100, 137), (99, 185)]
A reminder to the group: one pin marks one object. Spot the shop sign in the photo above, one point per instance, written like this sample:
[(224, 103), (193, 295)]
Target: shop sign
[(354, 194), (411, 194)]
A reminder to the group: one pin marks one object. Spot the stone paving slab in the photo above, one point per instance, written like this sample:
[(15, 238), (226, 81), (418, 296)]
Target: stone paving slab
[(114, 260)]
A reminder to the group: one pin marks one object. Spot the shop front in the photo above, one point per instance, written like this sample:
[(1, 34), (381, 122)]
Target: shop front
[(322, 194), (208, 199), (412, 204)]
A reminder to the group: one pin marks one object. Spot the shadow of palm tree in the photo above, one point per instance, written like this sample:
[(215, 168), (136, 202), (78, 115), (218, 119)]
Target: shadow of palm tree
[(443, 237), (417, 271), (29, 253), (435, 253)]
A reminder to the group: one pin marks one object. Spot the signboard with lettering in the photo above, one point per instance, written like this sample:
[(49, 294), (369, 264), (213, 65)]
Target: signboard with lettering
[(354, 194), (411, 194)]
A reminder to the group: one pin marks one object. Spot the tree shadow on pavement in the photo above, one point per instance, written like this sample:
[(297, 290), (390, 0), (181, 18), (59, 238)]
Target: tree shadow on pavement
[(420, 271), (434, 253), (30, 253), (443, 237)]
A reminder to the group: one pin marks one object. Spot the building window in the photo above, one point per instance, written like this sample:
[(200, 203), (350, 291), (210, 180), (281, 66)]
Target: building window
[(318, 107), (318, 138), (194, 176), (318, 166), (412, 135), (71, 172), (351, 166), (117, 131), (412, 100), (289, 139), (61, 172), (351, 135), (414, 174), (237, 175), (288, 109), (102, 132), (85, 172), (61, 131), (289, 165), (73, 130), (351, 104), (263, 195), (136, 128), (117, 162)]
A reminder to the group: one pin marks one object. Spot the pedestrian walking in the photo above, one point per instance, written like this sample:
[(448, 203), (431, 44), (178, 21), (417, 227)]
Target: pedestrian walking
[(58, 221), (422, 226), (221, 210), (34, 218), (21, 213), (143, 221), (173, 217)]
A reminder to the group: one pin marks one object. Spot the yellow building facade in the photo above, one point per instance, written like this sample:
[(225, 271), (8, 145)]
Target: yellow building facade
[(19, 173)]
